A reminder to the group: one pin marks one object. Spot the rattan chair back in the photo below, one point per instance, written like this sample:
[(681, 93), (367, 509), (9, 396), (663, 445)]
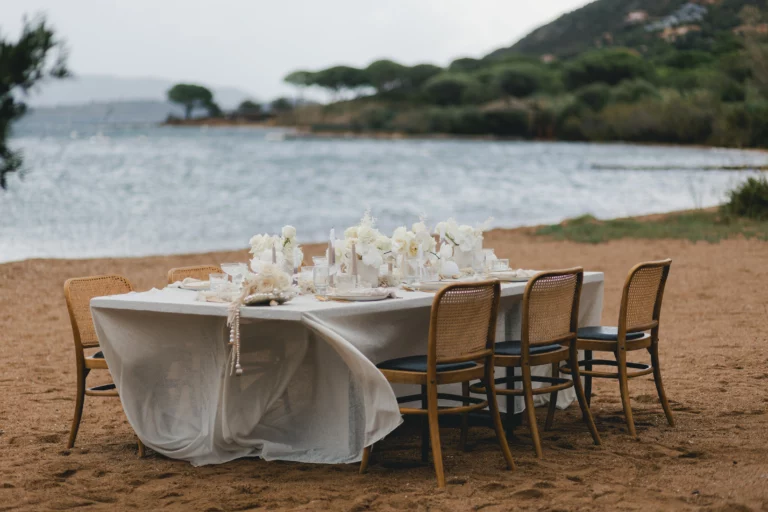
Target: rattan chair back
[(551, 307), (78, 293), (463, 322), (200, 272), (643, 292)]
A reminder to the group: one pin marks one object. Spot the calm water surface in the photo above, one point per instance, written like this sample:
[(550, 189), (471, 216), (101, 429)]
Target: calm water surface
[(131, 191)]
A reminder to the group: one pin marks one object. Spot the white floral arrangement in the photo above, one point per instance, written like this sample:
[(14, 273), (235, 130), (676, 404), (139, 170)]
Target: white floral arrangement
[(287, 251), (370, 245), (463, 237), (407, 243)]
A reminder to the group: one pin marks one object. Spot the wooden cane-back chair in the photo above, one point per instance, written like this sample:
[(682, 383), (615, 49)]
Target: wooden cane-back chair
[(550, 314), (78, 293), (460, 349), (200, 272), (640, 312)]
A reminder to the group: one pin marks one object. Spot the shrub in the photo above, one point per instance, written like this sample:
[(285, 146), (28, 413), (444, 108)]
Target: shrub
[(448, 88), (632, 91), (750, 199), (610, 66), (595, 96), (520, 80)]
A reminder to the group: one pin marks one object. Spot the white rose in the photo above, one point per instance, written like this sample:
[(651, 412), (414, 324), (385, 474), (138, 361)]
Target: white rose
[(289, 231), (419, 227), (383, 243), (367, 234), (351, 232)]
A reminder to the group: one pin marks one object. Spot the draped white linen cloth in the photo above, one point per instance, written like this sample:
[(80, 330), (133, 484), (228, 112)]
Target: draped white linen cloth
[(310, 390)]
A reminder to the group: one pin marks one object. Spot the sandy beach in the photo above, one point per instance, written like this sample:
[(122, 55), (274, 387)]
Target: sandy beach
[(714, 360)]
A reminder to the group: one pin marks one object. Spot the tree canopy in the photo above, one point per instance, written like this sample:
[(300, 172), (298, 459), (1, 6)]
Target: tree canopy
[(191, 97), (37, 55)]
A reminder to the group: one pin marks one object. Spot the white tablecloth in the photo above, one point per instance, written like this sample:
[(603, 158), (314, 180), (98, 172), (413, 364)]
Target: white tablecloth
[(310, 390)]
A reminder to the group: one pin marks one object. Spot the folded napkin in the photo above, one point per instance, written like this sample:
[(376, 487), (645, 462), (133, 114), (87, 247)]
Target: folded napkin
[(190, 283), (366, 292), (514, 274)]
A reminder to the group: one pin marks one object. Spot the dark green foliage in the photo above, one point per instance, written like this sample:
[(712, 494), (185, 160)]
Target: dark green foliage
[(419, 74), (281, 105), (607, 66), (632, 91), (385, 75), (249, 108), (694, 226), (520, 80), (623, 82), (595, 96), (749, 200), (299, 78), (686, 59), (191, 97), (448, 88), (23, 64), (466, 65)]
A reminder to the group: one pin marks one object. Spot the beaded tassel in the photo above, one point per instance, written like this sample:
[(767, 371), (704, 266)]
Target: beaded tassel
[(234, 339)]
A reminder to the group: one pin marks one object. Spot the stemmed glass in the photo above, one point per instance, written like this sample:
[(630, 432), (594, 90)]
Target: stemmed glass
[(236, 271)]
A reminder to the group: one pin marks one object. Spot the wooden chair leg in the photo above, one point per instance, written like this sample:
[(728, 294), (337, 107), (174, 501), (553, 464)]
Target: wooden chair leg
[(654, 350), (581, 396), (509, 401), (530, 411), (434, 434), (552, 399), (424, 426), (493, 405), (588, 378), (142, 450), (464, 420), (366, 459), (79, 401), (621, 359)]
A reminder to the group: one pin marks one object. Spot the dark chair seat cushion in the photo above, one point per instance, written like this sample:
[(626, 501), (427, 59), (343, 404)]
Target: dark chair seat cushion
[(419, 364), (512, 348), (606, 333)]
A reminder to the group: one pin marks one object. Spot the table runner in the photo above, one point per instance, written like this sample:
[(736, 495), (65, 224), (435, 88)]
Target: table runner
[(310, 390)]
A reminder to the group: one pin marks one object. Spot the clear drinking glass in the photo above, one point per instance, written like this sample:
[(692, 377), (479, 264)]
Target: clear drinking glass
[(306, 280), (490, 257), (411, 268), (345, 282), (218, 281), (236, 271), (500, 265), (430, 274), (320, 278), (478, 264)]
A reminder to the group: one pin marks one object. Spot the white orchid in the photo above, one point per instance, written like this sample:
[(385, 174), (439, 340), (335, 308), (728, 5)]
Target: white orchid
[(370, 244), (463, 237)]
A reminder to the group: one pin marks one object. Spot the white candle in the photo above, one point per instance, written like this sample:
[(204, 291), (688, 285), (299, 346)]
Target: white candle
[(354, 261), (296, 262), (274, 254)]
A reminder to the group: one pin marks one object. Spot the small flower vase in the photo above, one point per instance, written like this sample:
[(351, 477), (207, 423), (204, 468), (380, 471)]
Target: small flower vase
[(462, 259), (367, 275)]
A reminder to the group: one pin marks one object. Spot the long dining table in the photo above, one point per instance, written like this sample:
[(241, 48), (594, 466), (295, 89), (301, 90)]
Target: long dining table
[(310, 390)]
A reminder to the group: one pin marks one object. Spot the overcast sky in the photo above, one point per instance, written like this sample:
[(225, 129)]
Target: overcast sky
[(252, 44)]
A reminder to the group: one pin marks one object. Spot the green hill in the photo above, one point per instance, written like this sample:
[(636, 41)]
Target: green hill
[(637, 24)]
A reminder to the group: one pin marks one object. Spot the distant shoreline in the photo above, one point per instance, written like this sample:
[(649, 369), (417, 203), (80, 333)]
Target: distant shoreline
[(303, 132)]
